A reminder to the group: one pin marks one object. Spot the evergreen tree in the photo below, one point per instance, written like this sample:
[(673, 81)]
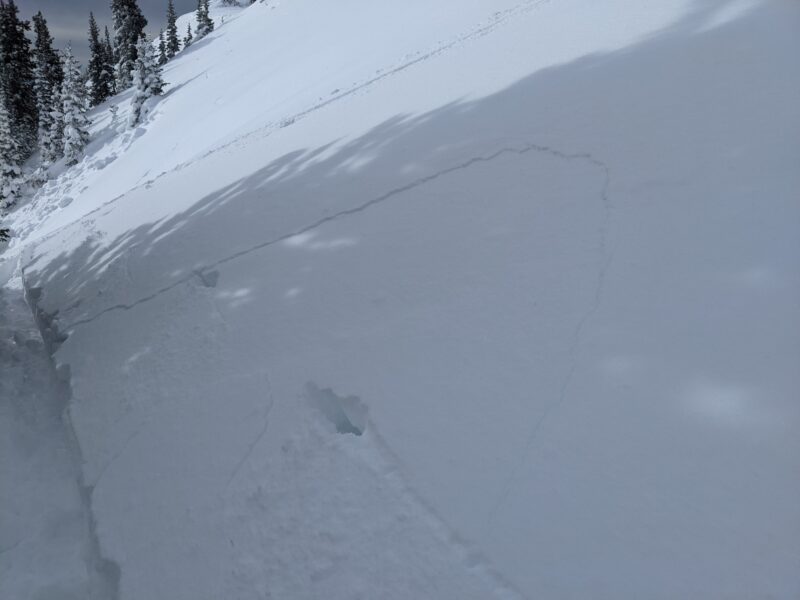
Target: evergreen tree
[(162, 49), (108, 47), (10, 174), (17, 77), (148, 81), (47, 75), (109, 62), (129, 24), (209, 20), (44, 56), (52, 145), (73, 96), (101, 90), (204, 23), (173, 44), (44, 103), (187, 41)]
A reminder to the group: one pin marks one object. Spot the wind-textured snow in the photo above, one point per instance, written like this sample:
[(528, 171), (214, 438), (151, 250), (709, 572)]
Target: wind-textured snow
[(487, 298)]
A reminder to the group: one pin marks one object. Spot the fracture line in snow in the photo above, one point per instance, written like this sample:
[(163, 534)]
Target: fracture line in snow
[(46, 394), (497, 19), (105, 573), (252, 446), (11, 547), (572, 352), (116, 456), (525, 149)]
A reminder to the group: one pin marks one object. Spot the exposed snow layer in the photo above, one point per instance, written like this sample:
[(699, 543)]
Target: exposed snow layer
[(442, 300), (48, 547)]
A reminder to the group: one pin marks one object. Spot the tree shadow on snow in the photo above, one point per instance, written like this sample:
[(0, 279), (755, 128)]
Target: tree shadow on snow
[(605, 98)]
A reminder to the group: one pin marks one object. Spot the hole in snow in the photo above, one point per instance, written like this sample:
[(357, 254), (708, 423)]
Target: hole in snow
[(347, 413), (208, 278)]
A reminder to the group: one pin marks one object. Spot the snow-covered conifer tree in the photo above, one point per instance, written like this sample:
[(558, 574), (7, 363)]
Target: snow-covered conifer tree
[(162, 49), (73, 97), (209, 20), (48, 74), (147, 80), (129, 24), (52, 145), (101, 88), (109, 62), (188, 39), (173, 44), (205, 24), (10, 174), (17, 77)]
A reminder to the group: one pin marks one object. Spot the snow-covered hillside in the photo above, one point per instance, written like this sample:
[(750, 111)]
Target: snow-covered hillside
[(456, 299)]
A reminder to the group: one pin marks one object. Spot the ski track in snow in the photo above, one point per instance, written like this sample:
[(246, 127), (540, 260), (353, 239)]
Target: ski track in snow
[(496, 20), (636, 541)]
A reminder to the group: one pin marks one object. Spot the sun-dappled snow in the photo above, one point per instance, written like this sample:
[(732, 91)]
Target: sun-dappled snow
[(456, 299)]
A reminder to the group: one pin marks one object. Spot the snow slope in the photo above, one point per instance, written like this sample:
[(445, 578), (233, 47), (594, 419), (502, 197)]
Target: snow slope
[(453, 300)]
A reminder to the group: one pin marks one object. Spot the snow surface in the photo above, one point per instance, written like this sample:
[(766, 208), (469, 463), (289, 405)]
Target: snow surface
[(440, 300)]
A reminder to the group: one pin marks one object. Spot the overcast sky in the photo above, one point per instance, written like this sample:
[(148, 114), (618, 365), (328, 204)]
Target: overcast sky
[(69, 19)]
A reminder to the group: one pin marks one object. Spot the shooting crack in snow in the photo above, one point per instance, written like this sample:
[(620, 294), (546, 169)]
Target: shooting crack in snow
[(525, 149), (457, 299), (252, 446), (577, 337)]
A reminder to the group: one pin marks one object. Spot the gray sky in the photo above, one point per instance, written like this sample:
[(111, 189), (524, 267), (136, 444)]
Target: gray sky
[(69, 19)]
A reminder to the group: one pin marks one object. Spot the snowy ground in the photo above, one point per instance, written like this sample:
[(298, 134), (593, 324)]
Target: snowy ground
[(485, 298)]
